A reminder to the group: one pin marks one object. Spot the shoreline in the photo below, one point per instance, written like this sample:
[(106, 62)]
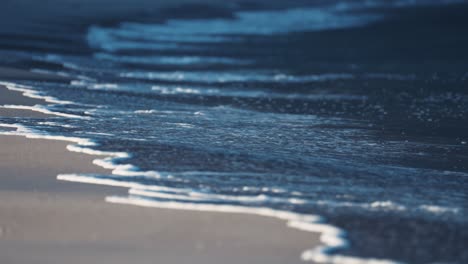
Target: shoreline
[(60, 222), (407, 126), (65, 222)]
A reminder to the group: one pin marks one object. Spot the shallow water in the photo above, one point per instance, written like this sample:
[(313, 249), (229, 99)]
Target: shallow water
[(271, 108)]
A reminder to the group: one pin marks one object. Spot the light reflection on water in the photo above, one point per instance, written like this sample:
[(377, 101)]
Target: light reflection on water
[(222, 123)]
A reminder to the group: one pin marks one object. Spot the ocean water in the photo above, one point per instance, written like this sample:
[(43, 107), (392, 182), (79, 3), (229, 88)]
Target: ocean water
[(339, 117)]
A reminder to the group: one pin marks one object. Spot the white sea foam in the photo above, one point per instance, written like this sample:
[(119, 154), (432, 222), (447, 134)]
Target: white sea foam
[(249, 93), (172, 60), (59, 73), (83, 145), (146, 111), (331, 236), (28, 92), (206, 197), (104, 86), (184, 125), (31, 133), (100, 134), (41, 109), (118, 183), (180, 90), (372, 206), (9, 125), (81, 149), (163, 112), (95, 86), (78, 83), (387, 205), (225, 76), (124, 169), (48, 123), (263, 189), (435, 209)]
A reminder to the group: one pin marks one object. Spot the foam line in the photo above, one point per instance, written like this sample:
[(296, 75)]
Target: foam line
[(34, 134), (47, 123), (331, 236), (173, 60), (435, 209), (41, 109), (126, 169), (8, 125), (28, 92), (80, 149), (115, 183), (227, 76), (196, 196), (249, 93), (82, 145), (182, 34)]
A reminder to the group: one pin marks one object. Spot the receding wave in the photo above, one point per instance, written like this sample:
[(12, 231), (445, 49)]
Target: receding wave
[(267, 112), (174, 33), (222, 77)]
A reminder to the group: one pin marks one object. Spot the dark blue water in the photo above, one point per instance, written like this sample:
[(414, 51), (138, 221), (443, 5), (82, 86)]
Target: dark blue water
[(357, 112)]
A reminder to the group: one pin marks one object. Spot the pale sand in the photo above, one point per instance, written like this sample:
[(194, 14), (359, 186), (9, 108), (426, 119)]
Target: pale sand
[(8, 97), (43, 220)]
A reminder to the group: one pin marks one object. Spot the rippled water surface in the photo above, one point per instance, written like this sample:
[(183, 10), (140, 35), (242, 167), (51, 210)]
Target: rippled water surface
[(334, 110)]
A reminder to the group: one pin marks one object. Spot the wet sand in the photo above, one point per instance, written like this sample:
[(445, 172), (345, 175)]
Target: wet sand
[(8, 97), (43, 220)]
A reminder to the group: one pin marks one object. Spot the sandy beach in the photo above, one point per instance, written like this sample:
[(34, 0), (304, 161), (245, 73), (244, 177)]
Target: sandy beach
[(200, 131), (43, 220)]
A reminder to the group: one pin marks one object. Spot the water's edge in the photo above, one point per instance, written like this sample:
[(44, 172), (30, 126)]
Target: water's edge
[(332, 237)]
